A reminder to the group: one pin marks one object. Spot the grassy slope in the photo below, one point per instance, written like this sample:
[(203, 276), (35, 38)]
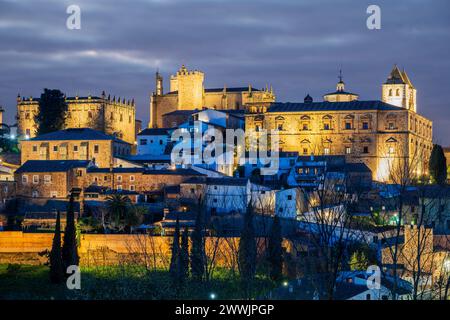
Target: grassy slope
[(31, 282)]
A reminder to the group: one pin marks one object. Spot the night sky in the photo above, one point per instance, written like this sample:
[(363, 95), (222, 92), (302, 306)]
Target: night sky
[(296, 46)]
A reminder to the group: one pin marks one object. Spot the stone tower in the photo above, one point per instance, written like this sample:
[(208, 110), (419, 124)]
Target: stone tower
[(189, 85), (399, 91), (159, 84)]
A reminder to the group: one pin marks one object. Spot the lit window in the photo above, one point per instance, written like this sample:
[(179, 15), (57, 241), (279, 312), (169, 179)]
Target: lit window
[(53, 194), (35, 194), (391, 126), (47, 179), (348, 150), (391, 150), (326, 151)]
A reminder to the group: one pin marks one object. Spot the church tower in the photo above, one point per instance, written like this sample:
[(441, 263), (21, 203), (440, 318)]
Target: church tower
[(399, 91), (159, 84), (189, 85)]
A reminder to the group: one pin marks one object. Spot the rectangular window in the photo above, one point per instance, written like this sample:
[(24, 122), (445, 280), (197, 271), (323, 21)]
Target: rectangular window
[(35, 179), (305, 150), (119, 187), (96, 148), (143, 142), (119, 178), (391, 126), (305, 127), (131, 178), (289, 197), (326, 126), (53, 194), (35, 148), (79, 173), (280, 127), (326, 151), (47, 179), (131, 188), (55, 148), (365, 125), (366, 150), (24, 179), (348, 150), (348, 126), (75, 148)]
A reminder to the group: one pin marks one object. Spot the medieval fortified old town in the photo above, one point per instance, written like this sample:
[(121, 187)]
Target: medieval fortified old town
[(280, 183)]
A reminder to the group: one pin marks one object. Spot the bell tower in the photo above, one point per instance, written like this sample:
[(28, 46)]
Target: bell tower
[(399, 91)]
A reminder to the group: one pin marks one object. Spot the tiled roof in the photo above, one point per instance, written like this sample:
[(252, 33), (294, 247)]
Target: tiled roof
[(116, 170), (331, 106), (76, 134), (225, 181), (180, 171), (154, 132), (52, 165)]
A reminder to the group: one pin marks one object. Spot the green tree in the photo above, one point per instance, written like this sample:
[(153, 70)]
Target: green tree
[(198, 255), (438, 165), (184, 256), (275, 250), (70, 246), (174, 269), (52, 111), (56, 262), (358, 261), (118, 209), (247, 252)]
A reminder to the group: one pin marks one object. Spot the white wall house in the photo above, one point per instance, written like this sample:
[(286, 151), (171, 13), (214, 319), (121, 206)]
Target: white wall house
[(227, 195), (152, 141), (290, 203)]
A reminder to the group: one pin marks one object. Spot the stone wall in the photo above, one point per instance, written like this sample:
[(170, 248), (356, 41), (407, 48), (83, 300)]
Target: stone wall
[(98, 250)]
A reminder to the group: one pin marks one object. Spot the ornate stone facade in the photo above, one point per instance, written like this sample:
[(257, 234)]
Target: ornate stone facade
[(373, 132), (110, 115), (187, 92)]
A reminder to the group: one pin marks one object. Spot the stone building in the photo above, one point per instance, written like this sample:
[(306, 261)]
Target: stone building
[(75, 144), (377, 133), (110, 115), (51, 178), (187, 92)]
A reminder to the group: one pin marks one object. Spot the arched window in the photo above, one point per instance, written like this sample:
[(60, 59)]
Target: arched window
[(390, 92), (397, 93)]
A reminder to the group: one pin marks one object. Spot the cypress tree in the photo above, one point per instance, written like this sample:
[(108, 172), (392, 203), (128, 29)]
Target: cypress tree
[(438, 165), (52, 111), (184, 255), (56, 263), (275, 250), (247, 252), (175, 259), (70, 248), (198, 255)]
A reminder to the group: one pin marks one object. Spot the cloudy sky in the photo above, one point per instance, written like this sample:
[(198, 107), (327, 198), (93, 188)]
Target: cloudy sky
[(297, 46)]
